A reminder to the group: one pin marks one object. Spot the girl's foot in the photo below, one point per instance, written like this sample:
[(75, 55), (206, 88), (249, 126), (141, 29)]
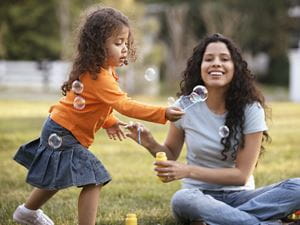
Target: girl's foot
[(25, 216)]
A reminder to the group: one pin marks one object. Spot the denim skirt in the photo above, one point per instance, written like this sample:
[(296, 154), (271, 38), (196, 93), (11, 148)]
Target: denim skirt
[(64, 165)]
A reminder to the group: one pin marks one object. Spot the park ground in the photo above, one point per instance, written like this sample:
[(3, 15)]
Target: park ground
[(134, 188)]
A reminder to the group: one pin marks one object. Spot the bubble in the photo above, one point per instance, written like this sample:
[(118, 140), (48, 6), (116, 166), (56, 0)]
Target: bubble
[(150, 74), (223, 131), (77, 87), (79, 103), (171, 101), (200, 93), (54, 141)]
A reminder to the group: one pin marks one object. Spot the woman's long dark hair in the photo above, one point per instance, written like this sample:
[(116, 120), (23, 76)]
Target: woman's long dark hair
[(98, 26), (241, 91)]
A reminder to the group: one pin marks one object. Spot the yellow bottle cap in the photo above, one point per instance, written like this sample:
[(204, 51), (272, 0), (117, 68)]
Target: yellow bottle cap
[(161, 156), (131, 219)]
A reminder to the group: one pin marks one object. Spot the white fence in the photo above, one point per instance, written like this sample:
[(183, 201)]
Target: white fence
[(35, 75), (294, 57), (49, 76)]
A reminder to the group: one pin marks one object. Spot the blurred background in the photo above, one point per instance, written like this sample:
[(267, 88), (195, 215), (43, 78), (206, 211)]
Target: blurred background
[(37, 42)]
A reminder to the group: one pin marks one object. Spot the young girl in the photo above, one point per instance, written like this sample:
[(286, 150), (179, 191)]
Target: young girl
[(60, 157), (218, 185)]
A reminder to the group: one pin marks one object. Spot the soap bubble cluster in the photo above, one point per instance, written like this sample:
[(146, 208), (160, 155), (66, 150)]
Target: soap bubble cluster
[(199, 94), (79, 101)]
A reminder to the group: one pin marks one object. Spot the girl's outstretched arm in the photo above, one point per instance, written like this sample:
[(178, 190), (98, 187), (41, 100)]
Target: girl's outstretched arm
[(107, 91)]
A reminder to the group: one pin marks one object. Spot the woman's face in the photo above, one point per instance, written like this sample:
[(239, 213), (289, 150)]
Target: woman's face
[(217, 67)]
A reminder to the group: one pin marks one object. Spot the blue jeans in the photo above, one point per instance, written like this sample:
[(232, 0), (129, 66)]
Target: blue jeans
[(263, 206)]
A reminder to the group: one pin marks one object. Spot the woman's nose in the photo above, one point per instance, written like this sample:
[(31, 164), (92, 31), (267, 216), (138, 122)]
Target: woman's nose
[(216, 62)]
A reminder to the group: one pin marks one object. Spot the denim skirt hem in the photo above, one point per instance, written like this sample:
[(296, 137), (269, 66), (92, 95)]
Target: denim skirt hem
[(70, 164), (67, 185)]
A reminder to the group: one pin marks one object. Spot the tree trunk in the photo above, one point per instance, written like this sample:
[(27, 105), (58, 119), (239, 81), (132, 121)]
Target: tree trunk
[(64, 20), (180, 44)]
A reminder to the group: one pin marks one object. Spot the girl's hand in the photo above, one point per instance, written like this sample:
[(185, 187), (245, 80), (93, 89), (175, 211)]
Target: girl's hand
[(174, 113), (139, 133), (171, 170), (115, 131)]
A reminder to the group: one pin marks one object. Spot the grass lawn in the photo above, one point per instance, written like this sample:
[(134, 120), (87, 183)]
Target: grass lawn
[(134, 187)]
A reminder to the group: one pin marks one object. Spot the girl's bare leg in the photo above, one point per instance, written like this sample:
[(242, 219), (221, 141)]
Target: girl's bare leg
[(88, 204), (38, 197)]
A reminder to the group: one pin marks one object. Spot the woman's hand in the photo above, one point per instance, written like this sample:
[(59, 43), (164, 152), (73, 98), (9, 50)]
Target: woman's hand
[(139, 133), (171, 170), (115, 131)]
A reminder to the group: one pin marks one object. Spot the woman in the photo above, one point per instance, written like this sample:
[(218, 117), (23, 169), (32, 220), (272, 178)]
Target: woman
[(218, 185)]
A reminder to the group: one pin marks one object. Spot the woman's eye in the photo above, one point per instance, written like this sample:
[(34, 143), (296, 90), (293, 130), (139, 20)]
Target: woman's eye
[(226, 59)]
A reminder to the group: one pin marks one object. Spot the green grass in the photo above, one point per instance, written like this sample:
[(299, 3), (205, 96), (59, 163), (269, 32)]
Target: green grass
[(134, 187)]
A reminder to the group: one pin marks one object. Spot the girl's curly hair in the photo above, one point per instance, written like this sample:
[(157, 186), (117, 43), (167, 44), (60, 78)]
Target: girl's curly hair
[(241, 91), (100, 24)]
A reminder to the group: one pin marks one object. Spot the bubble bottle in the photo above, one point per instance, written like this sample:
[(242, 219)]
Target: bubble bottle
[(161, 156), (131, 219)]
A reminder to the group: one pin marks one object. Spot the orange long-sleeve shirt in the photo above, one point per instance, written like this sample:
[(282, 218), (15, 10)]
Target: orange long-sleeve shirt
[(101, 97)]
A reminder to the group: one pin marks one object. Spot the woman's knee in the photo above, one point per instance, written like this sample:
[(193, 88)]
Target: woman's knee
[(292, 191), (186, 204), (184, 198), (292, 184)]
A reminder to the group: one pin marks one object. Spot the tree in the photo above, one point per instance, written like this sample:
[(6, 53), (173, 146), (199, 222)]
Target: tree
[(4, 5), (270, 34), (257, 26), (31, 31)]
